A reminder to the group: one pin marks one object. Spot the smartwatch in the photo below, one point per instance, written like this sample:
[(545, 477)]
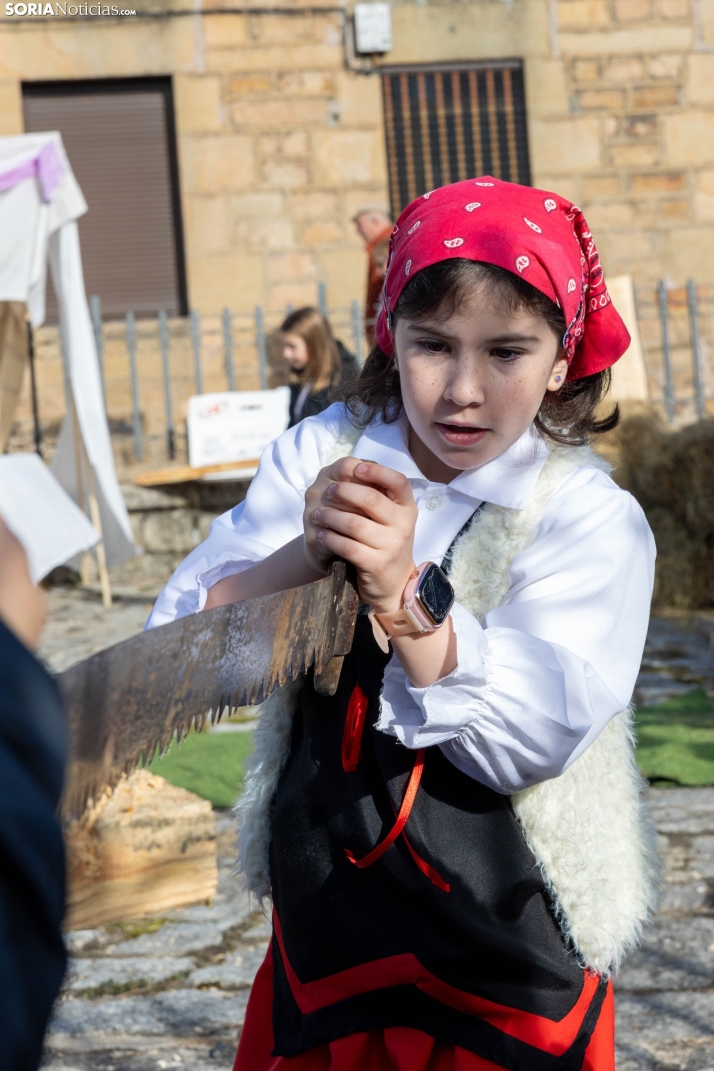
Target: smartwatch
[(428, 598)]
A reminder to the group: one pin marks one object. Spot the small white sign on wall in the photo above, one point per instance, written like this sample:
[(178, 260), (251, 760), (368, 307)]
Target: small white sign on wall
[(373, 27), (235, 425)]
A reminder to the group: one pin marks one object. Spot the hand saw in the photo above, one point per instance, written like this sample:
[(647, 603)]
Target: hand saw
[(130, 699)]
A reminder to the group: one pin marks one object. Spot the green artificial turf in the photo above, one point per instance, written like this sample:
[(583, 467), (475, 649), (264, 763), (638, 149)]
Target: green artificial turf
[(675, 739), (210, 764)]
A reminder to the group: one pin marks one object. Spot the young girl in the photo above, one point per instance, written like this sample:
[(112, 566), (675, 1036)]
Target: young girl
[(317, 362), (454, 843)]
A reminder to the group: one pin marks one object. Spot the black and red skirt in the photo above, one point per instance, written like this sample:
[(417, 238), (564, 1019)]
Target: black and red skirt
[(412, 927)]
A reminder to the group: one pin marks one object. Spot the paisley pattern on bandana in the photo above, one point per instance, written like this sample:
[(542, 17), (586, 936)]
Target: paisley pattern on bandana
[(538, 235)]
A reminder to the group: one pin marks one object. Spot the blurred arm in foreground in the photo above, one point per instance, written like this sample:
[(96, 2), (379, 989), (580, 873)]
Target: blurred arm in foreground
[(32, 873)]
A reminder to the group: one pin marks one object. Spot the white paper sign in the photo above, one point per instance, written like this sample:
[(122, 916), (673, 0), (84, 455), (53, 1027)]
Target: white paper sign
[(235, 425), (373, 27)]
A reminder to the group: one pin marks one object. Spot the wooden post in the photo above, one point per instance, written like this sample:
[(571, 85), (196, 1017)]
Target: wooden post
[(80, 456)]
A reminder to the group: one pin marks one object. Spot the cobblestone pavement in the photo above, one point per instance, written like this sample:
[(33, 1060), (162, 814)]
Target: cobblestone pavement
[(171, 993)]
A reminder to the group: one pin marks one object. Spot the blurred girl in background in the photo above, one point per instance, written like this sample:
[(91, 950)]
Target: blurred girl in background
[(317, 362)]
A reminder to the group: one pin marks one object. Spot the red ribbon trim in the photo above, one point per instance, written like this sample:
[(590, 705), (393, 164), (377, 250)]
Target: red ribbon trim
[(405, 969), (404, 811)]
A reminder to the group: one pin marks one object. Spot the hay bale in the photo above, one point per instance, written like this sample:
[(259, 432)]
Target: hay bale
[(143, 849), (671, 475)]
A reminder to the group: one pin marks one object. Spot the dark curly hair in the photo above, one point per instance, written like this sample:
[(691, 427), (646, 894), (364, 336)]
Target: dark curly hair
[(565, 416)]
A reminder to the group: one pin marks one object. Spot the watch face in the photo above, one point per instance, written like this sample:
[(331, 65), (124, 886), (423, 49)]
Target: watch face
[(436, 594)]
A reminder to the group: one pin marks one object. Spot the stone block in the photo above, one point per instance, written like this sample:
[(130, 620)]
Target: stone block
[(344, 271), (611, 126), (145, 848), (600, 186), (280, 113), (634, 39), (285, 174), (206, 220), (641, 155), (312, 205), (655, 96), (308, 83), (649, 1018), (691, 252), (280, 295), (173, 939), (352, 201), (295, 144), (640, 126), (217, 163), (586, 70), (288, 267), (689, 138), (546, 88), (607, 99), (674, 9), (11, 121), (256, 205), (700, 78), (349, 157), (666, 65), (274, 58), (583, 14), (674, 210), (225, 31), (564, 185), (176, 1013), (633, 10), (704, 195), (198, 104), (360, 99), (658, 182), (263, 235), (233, 281), (563, 144), (327, 232), (237, 970), (616, 213), (624, 68), (436, 32), (675, 954), (136, 970), (243, 85), (285, 29)]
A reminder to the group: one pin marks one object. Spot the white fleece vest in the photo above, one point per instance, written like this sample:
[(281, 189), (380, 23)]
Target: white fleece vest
[(588, 829)]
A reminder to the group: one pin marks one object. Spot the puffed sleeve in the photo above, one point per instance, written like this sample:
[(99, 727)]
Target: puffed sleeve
[(539, 679), (270, 517)]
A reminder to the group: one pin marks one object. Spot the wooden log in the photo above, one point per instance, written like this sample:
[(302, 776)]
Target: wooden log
[(143, 849)]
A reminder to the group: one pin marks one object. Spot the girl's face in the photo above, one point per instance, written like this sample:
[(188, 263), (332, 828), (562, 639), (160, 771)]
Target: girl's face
[(471, 384), (295, 351)]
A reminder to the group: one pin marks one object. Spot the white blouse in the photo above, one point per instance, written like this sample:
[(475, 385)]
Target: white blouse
[(539, 680)]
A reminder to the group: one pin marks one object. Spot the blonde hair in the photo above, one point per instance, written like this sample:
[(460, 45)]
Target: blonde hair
[(323, 358)]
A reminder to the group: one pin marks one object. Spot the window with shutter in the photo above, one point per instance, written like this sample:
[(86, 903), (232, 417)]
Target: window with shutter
[(450, 122), (120, 139)]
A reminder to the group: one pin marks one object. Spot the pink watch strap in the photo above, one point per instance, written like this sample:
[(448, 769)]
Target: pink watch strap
[(410, 619)]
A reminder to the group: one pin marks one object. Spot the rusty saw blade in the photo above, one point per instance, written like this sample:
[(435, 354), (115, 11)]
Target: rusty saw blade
[(128, 700)]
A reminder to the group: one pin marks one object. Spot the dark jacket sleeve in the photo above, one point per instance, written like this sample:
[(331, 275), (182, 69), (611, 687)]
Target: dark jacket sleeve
[(32, 871)]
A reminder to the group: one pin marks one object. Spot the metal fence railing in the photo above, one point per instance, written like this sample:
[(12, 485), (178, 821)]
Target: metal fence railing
[(150, 367), (677, 331)]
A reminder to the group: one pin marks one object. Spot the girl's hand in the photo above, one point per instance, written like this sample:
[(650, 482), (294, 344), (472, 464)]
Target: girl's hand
[(366, 514)]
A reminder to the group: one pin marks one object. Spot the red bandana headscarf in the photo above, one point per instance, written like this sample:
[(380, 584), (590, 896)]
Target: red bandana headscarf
[(534, 234)]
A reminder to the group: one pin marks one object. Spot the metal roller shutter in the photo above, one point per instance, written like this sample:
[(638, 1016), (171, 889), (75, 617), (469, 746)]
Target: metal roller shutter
[(119, 136), (450, 122)]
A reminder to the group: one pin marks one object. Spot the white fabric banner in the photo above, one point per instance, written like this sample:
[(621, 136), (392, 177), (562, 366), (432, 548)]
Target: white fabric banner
[(51, 528), (37, 221)]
